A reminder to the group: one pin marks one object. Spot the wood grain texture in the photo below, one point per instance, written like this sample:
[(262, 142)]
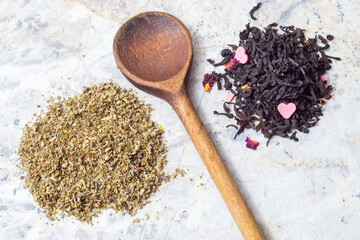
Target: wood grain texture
[(151, 50), (154, 51), (217, 168)]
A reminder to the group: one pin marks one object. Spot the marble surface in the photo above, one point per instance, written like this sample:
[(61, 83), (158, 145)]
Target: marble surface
[(304, 190)]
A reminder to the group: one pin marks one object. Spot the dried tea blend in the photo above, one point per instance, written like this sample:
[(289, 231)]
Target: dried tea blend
[(254, 9), (97, 150), (276, 78)]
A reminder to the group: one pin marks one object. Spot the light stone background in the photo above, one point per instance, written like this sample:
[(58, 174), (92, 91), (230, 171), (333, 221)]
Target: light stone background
[(304, 190)]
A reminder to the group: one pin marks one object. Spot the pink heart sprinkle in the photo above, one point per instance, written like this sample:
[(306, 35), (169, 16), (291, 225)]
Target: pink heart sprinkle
[(240, 50), (286, 110), (324, 78), (241, 55), (229, 97)]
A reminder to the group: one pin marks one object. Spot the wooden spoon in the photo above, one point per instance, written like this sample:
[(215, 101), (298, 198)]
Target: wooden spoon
[(154, 51)]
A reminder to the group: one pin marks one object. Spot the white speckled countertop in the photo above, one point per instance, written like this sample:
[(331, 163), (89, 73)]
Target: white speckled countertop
[(305, 190)]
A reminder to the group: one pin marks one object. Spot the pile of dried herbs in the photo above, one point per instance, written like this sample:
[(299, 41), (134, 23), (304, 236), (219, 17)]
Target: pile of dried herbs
[(94, 151), (268, 70)]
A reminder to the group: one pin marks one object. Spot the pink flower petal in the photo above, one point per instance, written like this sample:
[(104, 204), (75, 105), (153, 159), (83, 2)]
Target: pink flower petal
[(230, 63), (251, 143), (208, 82)]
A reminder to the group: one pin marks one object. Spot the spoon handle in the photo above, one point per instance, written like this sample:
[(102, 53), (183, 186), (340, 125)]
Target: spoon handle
[(216, 167)]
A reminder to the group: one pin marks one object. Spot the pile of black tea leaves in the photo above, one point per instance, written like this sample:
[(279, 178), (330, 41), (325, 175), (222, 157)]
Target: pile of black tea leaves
[(276, 80)]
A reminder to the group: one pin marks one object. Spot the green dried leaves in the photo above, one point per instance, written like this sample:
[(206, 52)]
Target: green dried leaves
[(93, 151)]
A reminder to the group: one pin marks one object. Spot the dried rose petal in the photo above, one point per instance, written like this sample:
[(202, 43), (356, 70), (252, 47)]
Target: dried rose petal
[(230, 63), (251, 143), (207, 87), (327, 97), (208, 82)]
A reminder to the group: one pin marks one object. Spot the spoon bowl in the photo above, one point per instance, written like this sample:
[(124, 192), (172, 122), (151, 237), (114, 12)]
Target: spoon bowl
[(154, 50)]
